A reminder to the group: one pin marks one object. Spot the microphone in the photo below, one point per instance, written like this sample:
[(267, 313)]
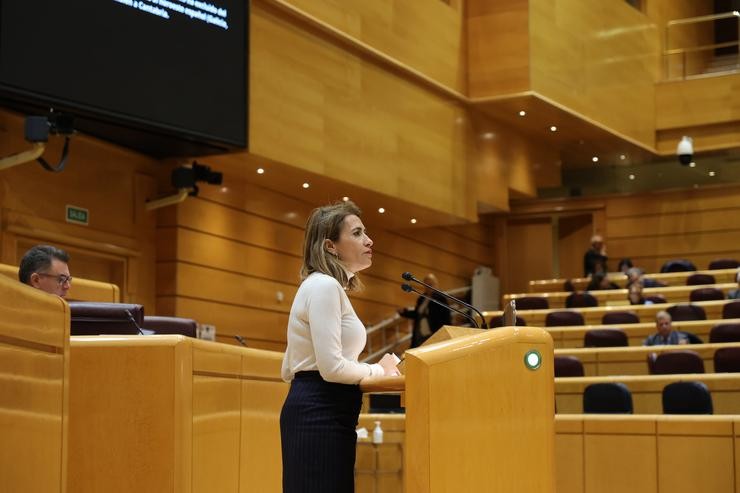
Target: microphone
[(410, 277), (133, 321), (241, 340), (408, 288)]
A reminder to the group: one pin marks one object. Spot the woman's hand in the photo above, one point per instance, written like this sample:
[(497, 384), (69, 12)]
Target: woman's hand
[(389, 362)]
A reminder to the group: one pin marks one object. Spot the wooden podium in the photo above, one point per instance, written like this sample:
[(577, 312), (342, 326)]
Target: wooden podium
[(480, 413)]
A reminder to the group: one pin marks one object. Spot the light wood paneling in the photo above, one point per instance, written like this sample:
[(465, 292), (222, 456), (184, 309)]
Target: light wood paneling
[(530, 251), (187, 407), (402, 30), (588, 449), (112, 183), (498, 47), (325, 109), (600, 63), (689, 104), (34, 391), (651, 228), (225, 259)]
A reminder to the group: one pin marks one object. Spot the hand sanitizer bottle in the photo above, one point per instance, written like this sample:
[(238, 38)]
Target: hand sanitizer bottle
[(377, 433)]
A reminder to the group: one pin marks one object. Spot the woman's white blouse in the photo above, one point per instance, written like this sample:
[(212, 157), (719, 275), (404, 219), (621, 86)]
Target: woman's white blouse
[(325, 334)]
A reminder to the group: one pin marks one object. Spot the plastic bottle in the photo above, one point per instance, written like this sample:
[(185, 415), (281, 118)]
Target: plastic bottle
[(377, 433)]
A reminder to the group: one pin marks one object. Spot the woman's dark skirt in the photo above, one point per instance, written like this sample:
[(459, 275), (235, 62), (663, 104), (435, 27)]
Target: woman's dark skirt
[(317, 430)]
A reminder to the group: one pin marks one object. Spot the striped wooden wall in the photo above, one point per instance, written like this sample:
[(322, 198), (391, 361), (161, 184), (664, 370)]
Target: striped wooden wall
[(112, 183), (222, 258), (695, 224)]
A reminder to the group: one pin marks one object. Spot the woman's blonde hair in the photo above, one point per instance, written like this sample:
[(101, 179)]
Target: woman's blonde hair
[(325, 223)]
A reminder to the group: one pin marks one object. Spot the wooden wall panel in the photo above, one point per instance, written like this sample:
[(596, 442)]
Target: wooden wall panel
[(697, 102), (111, 182), (498, 47), (422, 35), (223, 258), (650, 228), (681, 37), (530, 251), (600, 63), (323, 108)]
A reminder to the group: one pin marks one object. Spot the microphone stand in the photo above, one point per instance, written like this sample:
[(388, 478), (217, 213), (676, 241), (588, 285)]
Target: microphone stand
[(408, 288), (408, 276)]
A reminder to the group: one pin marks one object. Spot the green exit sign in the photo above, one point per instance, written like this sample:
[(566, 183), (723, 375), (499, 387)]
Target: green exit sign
[(77, 215)]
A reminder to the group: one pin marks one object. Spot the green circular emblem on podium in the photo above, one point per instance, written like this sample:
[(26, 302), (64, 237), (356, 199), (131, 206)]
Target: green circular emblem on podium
[(533, 359)]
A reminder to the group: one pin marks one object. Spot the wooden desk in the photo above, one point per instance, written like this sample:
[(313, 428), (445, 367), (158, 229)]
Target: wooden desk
[(173, 414), (647, 391), (572, 337), (611, 297), (34, 372), (599, 362), (607, 453), (669, 278), (593, 315)]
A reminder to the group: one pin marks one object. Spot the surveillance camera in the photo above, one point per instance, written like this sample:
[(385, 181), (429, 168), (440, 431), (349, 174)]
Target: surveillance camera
[(685, 150)]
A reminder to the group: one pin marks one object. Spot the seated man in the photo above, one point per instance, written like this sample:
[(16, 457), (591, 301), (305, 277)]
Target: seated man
[(735, 293), (45, 267), (666, 334)]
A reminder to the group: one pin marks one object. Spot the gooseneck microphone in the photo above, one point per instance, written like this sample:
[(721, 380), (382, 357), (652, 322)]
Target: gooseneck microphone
[(409, 289), (240, 340), (408, 276)]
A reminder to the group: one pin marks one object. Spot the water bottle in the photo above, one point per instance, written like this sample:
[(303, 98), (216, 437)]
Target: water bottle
[(377, 433)]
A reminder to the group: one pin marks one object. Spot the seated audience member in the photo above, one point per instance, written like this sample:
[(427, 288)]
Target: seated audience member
[(735, 293), (634, 294), (45, 267), (635, 274), (568, 286), (599, 281), (665, 334), (594, 260), (428, 316), (624, 265)]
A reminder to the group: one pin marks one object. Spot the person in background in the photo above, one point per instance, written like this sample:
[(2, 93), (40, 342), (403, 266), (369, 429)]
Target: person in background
[(624, 265), (428, 316), (325, 339), (46, 268), (600, 281), (735, 293), (665, 334), (634, 294), (594, 260)]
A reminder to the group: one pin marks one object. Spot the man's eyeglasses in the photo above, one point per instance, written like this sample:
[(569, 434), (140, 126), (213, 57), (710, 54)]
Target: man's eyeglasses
[(61, 278)]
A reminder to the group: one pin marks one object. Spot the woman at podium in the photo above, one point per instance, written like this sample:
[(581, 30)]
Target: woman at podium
[(325, 338)]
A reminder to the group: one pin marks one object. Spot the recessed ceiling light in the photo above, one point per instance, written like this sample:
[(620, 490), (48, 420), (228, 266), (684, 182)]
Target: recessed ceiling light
[(306, 185), (692, 164), (595, 159), (381, 210), (224, 189), (489, 135), (632, 177), (345, 198), (622, 157), (260, 171), (522, 113), (712, 173), (553, 129), (413, 220)]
